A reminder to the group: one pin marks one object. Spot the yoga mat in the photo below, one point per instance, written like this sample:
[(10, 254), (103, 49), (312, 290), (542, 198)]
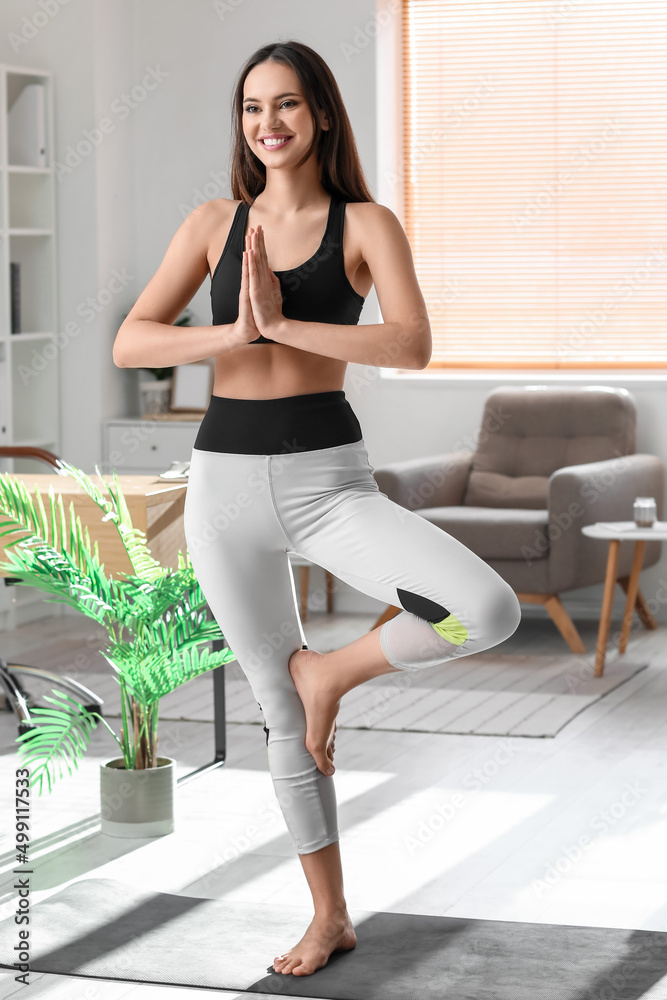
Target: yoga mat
[(103, 928)]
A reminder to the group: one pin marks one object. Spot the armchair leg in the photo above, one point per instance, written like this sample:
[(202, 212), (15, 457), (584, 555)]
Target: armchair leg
[(389, 613), (559, 616), (330, 586)]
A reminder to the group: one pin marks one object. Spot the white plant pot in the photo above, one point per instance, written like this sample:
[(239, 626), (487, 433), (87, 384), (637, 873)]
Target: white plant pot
[(155, 397), (137, 803)]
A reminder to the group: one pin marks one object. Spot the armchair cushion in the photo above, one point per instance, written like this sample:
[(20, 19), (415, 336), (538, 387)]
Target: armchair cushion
[(494, 533), (526, 436)]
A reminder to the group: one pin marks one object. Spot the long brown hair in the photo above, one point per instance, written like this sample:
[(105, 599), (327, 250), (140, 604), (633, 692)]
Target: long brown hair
[(336, 150)]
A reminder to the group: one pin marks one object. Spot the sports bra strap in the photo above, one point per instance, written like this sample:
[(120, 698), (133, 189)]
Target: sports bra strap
[(238, 227)]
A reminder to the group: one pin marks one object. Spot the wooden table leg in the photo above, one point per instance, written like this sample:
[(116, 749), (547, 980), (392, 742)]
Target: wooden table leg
[(631, 593), (643, 611), (641, 607), (607, 602)]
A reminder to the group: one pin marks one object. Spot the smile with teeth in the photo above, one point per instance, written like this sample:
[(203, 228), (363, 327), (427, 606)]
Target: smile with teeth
[(274, 143)]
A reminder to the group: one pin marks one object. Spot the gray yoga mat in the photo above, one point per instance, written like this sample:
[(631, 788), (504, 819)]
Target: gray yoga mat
[(106, 929)]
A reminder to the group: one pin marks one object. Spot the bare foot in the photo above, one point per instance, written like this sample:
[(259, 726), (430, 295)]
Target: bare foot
[(321, 939), (320, 703)]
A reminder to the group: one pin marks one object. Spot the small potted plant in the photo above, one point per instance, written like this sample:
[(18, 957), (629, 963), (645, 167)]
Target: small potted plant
[(157, 634), (155, 393)]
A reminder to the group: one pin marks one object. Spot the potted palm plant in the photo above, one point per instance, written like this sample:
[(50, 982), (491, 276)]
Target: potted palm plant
[(157, 636)]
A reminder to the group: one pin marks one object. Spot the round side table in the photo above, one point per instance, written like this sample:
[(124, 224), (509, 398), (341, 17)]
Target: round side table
[(616, 532)]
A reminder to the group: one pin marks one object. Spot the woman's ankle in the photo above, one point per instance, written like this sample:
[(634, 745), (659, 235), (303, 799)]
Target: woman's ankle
[(331, 913)]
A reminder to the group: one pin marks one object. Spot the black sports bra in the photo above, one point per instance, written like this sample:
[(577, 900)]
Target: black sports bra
[(317, 291)]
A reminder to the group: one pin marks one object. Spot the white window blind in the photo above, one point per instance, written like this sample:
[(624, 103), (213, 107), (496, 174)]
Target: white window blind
[(535, 180)]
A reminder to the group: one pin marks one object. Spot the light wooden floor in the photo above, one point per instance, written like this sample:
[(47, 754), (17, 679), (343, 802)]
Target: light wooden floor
[(467, 826)]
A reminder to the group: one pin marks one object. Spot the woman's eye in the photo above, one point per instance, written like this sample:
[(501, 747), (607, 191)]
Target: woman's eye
[(249, 107)]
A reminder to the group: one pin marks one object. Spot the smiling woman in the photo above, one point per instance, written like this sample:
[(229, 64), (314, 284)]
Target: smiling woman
[(292, 257)]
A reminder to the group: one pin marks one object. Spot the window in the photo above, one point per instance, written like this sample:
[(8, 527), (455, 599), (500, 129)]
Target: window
[(535, 180)]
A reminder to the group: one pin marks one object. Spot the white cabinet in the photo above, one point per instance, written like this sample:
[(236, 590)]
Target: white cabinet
[(133, 445)]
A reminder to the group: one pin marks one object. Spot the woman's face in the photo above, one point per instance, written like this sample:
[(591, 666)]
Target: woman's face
[(274, 105)]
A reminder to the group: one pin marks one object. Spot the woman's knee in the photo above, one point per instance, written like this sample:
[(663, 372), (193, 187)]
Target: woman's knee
[(500, 613)]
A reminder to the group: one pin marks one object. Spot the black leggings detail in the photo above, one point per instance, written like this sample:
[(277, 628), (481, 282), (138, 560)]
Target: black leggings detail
[(421, 606)]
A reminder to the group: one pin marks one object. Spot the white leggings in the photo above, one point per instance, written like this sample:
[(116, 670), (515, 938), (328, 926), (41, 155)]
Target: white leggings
[(245, 512)]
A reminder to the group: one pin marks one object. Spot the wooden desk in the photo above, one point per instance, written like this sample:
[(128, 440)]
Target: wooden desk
[(156, 508)]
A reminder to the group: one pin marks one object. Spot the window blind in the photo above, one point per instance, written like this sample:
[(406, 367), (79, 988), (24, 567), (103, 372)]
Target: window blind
[(535, 180)]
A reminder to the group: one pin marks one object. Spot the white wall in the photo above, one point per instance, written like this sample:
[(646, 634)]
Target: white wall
[(119, 207)]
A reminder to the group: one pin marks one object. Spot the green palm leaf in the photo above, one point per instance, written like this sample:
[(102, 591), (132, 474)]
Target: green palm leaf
[(116, 510), (60, 737), (159, 672)]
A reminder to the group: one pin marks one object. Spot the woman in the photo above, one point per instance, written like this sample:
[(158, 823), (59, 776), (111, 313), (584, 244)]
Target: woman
[(279, 464)]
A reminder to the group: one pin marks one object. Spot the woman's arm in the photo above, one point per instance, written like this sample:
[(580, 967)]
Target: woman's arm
[(147, 336), (403, 340)]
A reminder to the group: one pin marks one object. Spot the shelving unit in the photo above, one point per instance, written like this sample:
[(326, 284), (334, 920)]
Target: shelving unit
[(29, 359)]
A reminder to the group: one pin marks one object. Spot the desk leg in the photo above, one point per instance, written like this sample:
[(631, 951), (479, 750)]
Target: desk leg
[(607, 602), (631, 594), (219, 721), (219, 708)]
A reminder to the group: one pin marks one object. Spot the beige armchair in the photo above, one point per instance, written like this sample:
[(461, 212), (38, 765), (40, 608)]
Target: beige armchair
[(547, 462)]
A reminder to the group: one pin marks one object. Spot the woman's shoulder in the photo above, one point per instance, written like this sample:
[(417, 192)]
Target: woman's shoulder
[(372, 219), (218, 208), (212, 217), (371, 212)]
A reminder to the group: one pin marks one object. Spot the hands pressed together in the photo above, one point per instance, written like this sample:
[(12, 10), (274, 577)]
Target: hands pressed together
[(260, 299)]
